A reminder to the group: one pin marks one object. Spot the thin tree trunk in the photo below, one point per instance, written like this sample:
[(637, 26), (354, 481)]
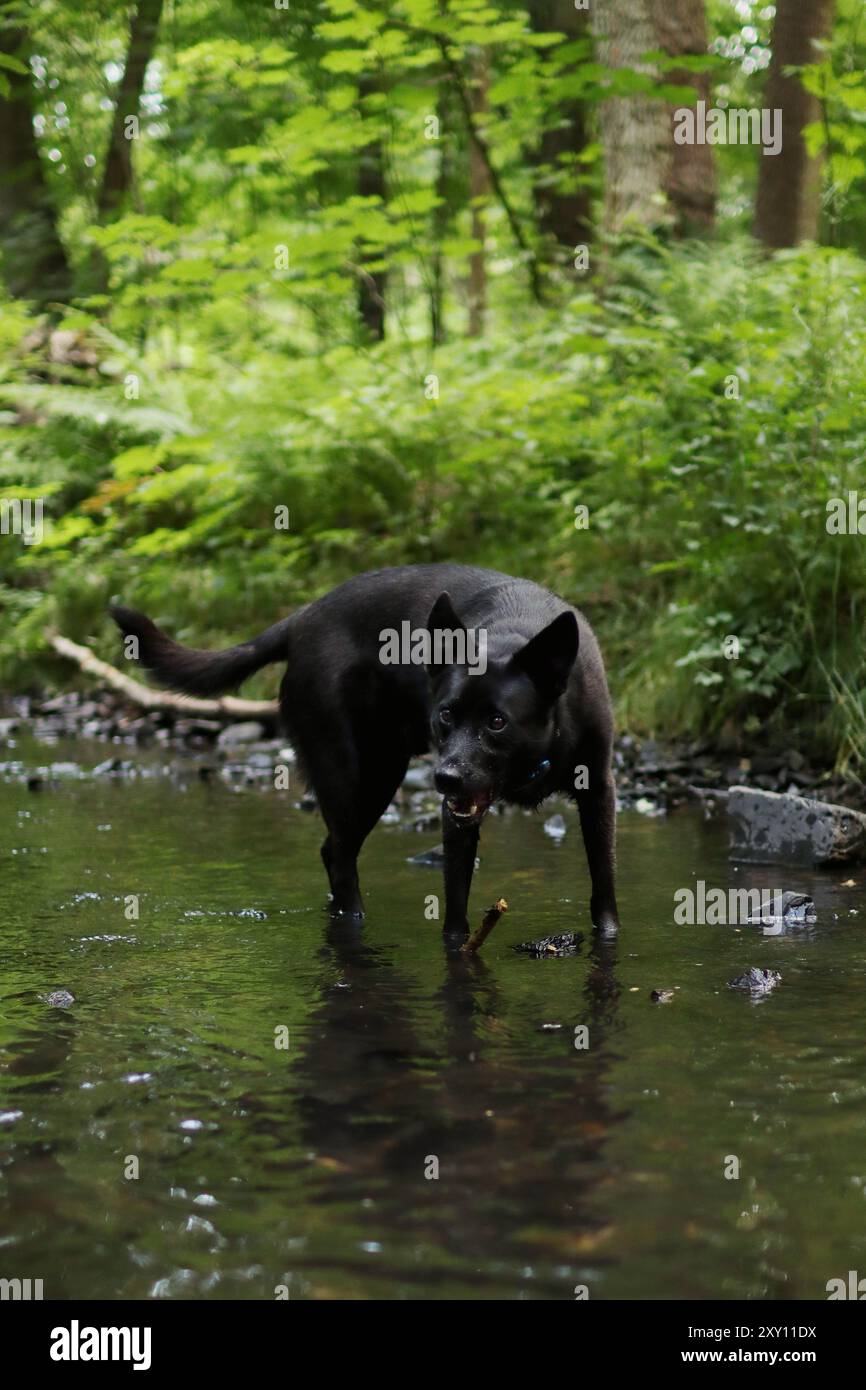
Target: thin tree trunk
[(634, 129), (681, 26), (479, 192), (35, 265), (464, 96), (562, 200), (788, 204), (371, 184), (117, 175), (441, 217)]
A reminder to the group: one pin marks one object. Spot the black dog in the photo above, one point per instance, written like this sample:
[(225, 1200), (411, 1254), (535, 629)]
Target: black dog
[(518, 708)]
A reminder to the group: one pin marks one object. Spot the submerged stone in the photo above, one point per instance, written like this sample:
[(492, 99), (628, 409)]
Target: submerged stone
[(784, 909), (429, 858), (756, 980), (566, 943), (58, 999)]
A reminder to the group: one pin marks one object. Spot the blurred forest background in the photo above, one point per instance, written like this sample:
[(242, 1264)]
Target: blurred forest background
[(434, 275)]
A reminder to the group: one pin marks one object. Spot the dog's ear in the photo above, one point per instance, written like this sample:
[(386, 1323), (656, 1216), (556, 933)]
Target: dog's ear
[(443, 617), (548, 658)]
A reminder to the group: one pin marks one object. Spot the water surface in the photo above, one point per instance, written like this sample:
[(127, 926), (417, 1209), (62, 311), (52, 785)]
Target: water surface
[(307, 1167)]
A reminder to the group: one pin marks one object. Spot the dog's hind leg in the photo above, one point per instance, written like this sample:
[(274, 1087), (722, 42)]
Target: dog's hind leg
[(351, 803)]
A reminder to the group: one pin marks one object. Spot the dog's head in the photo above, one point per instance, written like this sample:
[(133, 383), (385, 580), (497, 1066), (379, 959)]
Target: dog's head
[(493, 728)]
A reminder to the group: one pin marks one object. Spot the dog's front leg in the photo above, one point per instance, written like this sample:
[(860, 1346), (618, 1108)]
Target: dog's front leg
[(597, 806), (460, 843)]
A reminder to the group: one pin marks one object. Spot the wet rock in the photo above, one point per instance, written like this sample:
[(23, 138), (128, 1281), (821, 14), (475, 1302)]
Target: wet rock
[(58, 999), (249, 731), (419, 778), (110, 765), (756, 981), (661, 996), (767, 827), (565, 943), (65, 770), (555, 827), (429, 858), (785, 909)]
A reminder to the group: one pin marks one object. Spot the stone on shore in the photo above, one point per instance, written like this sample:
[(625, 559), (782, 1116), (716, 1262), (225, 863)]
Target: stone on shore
[(771, 827)]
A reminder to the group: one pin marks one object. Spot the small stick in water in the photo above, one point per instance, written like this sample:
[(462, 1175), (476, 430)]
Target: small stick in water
[(491, 917)]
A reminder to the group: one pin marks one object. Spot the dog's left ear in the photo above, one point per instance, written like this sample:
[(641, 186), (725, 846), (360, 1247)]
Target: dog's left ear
[(443, 617), (548, 658)]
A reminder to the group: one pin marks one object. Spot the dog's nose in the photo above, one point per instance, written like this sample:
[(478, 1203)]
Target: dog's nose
[(448, 781)]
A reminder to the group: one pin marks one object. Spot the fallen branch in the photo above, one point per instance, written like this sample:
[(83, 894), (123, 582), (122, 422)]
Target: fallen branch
[(491, 917), (229, 707)]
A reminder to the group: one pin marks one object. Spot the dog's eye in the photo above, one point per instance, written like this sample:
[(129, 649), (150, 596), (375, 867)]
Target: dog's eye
[(497, 722), (445, 715)]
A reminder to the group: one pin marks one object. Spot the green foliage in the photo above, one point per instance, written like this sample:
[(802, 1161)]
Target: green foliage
[(707, 512), (221, 380)]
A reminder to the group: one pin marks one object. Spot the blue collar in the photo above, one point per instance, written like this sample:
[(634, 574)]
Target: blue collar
[(543, 766)]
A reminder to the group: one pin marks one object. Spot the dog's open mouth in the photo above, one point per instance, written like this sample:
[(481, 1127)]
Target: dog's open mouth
[(470, 808)]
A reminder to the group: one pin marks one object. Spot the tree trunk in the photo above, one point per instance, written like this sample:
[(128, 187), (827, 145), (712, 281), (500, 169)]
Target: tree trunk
[(789, 183), (34, 261), (479, 192), (562, 200), (634, 129), (681, 28), (442, 216), (372, 184), (117, 175)]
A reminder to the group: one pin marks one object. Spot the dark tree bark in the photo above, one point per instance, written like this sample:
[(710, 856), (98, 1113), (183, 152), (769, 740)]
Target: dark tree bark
[(442, 215), (117, 175), (788, 204), (562, 201), (479, 192), (372, 184), (34, 260), (681, 26)]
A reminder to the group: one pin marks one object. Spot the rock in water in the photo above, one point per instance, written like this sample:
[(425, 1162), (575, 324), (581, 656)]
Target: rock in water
[(771, 827), (429, 858), (784, 909), (555, 827), (756, 981), (567, 943), (249, 731), (58, 999)]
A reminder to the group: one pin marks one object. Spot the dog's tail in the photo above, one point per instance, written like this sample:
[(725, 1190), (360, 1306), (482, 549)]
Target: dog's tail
[(197, 672)]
